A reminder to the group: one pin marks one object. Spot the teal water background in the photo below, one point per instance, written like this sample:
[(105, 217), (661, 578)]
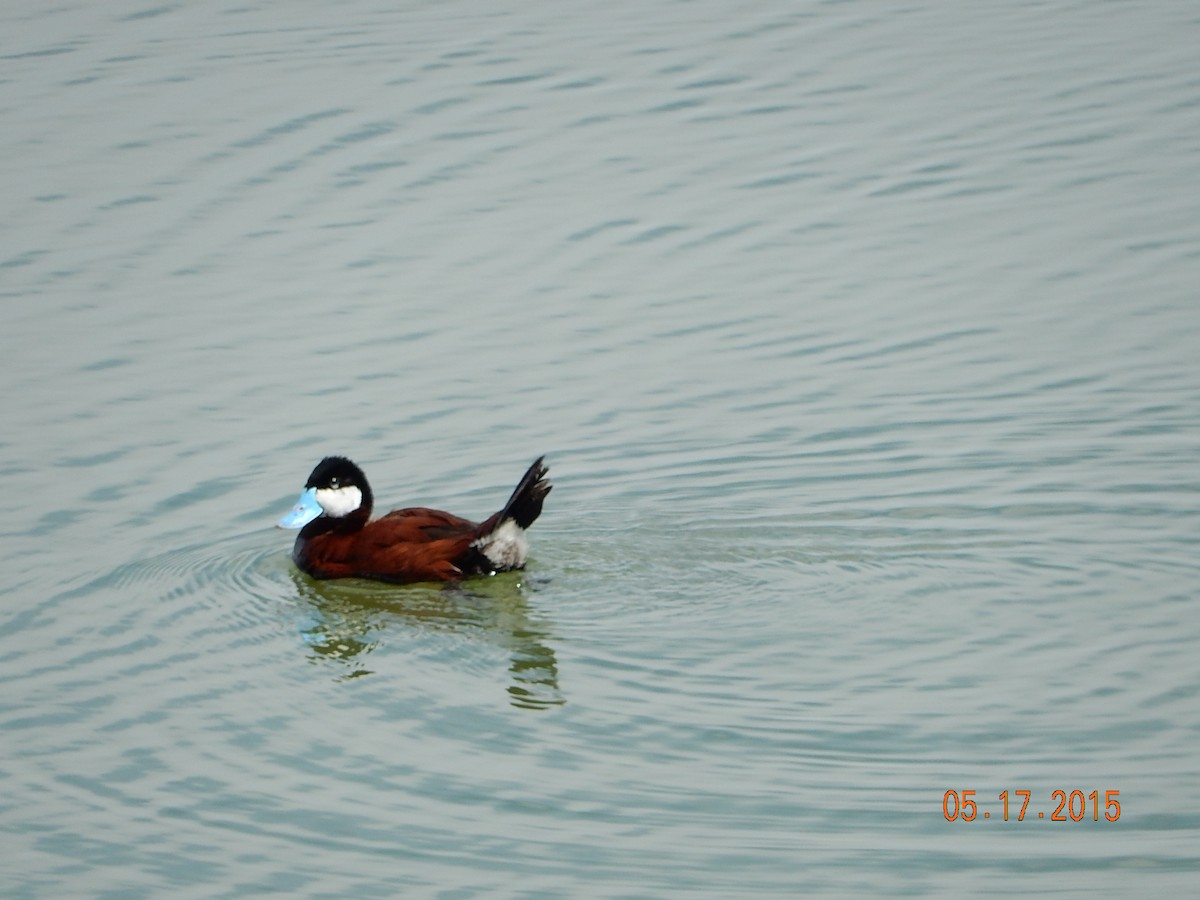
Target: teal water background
[(862, 342)]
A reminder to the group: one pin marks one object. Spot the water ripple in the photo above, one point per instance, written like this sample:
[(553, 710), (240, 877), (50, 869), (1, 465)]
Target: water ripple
[(863, 349)]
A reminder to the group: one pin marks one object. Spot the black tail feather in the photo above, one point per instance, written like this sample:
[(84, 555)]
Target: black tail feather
[(525, 504)]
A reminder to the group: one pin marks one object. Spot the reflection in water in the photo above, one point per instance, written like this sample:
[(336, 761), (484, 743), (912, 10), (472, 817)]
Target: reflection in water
[(349, 617)]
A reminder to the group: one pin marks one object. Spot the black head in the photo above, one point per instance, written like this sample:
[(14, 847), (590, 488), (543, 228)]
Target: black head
[(335, 472), (336, 496), (341, 488)]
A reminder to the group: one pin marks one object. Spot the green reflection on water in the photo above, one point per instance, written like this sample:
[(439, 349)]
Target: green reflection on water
[(351, 618)]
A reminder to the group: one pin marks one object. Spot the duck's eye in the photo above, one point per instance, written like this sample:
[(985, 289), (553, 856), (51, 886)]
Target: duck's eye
[(333, 483)]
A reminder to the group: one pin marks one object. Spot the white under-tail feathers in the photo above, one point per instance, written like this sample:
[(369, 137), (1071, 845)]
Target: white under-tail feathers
[(504, 546)]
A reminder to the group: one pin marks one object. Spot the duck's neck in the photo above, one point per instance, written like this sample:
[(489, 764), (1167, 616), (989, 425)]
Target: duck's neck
[(341, 524)]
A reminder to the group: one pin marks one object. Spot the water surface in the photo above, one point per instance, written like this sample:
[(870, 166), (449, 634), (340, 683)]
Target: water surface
[(862, 344)]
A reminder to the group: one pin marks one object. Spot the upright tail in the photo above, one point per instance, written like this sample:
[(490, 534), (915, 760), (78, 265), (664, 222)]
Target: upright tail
[(525, 504), (501, 538)]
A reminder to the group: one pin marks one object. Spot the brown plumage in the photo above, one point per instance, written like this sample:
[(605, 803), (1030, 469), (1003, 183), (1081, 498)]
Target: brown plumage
[(339, 539)]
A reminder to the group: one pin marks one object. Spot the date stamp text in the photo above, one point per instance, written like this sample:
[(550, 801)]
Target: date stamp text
[(1068, 806)]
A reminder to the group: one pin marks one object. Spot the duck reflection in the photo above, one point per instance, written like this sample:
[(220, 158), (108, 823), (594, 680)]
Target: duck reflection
[(349, 618)]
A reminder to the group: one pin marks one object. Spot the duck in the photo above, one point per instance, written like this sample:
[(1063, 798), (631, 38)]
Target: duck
[(339, 539)]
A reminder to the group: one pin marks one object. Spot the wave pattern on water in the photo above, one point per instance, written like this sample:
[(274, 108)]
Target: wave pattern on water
[(862, 347)]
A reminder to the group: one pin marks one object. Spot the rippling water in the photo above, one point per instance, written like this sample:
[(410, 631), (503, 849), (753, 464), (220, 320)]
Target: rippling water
[(861, 340)]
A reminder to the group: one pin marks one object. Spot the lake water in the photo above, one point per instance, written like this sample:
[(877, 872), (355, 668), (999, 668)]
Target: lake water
[(862, 342)]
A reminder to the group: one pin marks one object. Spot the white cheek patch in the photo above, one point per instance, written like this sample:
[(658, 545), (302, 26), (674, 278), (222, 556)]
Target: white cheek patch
[(338, 502)]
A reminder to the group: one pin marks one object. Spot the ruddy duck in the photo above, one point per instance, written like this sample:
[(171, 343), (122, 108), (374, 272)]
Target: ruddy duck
[(338, 539)]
